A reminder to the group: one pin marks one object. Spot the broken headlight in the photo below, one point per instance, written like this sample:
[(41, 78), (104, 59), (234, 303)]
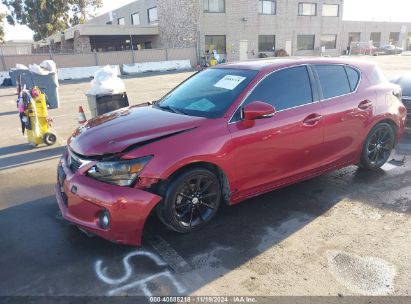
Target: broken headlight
[(121, 173)]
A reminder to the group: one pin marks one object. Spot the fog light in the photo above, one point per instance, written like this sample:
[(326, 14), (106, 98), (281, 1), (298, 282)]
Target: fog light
[(104, 220)]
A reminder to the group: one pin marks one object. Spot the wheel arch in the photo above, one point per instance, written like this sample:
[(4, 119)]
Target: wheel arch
[(392, 123), (217, 170)]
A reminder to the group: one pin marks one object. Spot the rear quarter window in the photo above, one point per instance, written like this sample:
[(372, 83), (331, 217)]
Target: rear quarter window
[(333, 79), (353, 77)]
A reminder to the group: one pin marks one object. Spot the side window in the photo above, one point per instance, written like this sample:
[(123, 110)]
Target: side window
[(284, 89), (333, 79), (353, 77)]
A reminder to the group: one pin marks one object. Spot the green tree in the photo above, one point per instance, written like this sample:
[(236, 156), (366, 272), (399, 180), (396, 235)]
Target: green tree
[(47, 17)]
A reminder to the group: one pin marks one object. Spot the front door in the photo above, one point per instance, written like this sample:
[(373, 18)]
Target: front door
[(284, 147)]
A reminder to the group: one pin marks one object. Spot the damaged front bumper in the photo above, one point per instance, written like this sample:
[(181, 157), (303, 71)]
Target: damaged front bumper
[(112, 212)]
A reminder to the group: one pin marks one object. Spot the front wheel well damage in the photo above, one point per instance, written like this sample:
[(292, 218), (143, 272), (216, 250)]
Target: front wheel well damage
[(222, 177)]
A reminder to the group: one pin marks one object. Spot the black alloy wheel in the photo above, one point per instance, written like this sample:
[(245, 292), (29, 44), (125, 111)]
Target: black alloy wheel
[(378, 146), (191, 200)]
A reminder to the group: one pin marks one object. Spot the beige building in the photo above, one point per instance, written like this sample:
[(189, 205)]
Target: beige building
[(236, 29), (134, 26), (378, 33), (263, 26), (16, 47)]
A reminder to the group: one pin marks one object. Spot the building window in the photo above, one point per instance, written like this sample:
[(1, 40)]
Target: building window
[(331, 10), (375, 37), (353, 37), (121, 21), (394, 37), (305, 42), (329, 41), (215, 42), (214, 6), (148, 45), (152, 14), (266, 43), (307, 9), (135, 19), (267, 7)]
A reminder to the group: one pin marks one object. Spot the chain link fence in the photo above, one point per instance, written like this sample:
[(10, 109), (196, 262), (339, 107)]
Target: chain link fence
[(373, 48)]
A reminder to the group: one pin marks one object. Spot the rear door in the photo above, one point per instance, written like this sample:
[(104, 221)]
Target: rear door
[(346, 112), (284, 146)]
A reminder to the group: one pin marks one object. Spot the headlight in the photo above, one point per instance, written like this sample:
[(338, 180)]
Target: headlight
[(121, 173)]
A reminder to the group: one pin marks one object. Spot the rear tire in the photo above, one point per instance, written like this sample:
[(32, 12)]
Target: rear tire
[(378, 147), (190, 200)]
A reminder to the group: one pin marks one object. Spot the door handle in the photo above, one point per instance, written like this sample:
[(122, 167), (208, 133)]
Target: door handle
[(365, 105), (312, 120)]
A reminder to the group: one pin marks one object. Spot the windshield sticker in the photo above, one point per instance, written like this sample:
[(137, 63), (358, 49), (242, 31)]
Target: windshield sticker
[(230, 82), (201, 105)]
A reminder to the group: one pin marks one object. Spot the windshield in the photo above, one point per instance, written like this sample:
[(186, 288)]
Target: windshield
[(207, 94)]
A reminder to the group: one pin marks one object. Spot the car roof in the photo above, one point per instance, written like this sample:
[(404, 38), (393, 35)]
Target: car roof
[(277, 63)]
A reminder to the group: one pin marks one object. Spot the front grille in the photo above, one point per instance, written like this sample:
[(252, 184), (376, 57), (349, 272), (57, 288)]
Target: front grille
[(407, 102), (75, 164), (75, 161), (61, 177), (65, 199)]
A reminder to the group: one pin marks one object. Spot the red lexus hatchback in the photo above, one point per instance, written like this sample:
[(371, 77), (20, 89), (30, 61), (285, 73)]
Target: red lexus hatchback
[(226, 134)]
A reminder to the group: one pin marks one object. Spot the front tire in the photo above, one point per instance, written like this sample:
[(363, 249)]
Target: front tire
[(190, 200), (378, 146)]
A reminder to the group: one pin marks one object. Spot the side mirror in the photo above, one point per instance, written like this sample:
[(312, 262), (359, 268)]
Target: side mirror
[(257, 110)]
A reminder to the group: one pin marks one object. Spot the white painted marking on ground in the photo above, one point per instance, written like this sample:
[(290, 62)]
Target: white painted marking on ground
[(101, 272), (128, 274)]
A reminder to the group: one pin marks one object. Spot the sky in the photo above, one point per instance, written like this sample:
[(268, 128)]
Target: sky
[(362, 10)]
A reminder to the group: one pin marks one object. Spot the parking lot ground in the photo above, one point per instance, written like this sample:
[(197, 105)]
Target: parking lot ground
[(344, 233), (393, 65)]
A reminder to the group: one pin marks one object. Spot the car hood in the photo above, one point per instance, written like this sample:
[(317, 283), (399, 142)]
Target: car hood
[(117, 131)]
